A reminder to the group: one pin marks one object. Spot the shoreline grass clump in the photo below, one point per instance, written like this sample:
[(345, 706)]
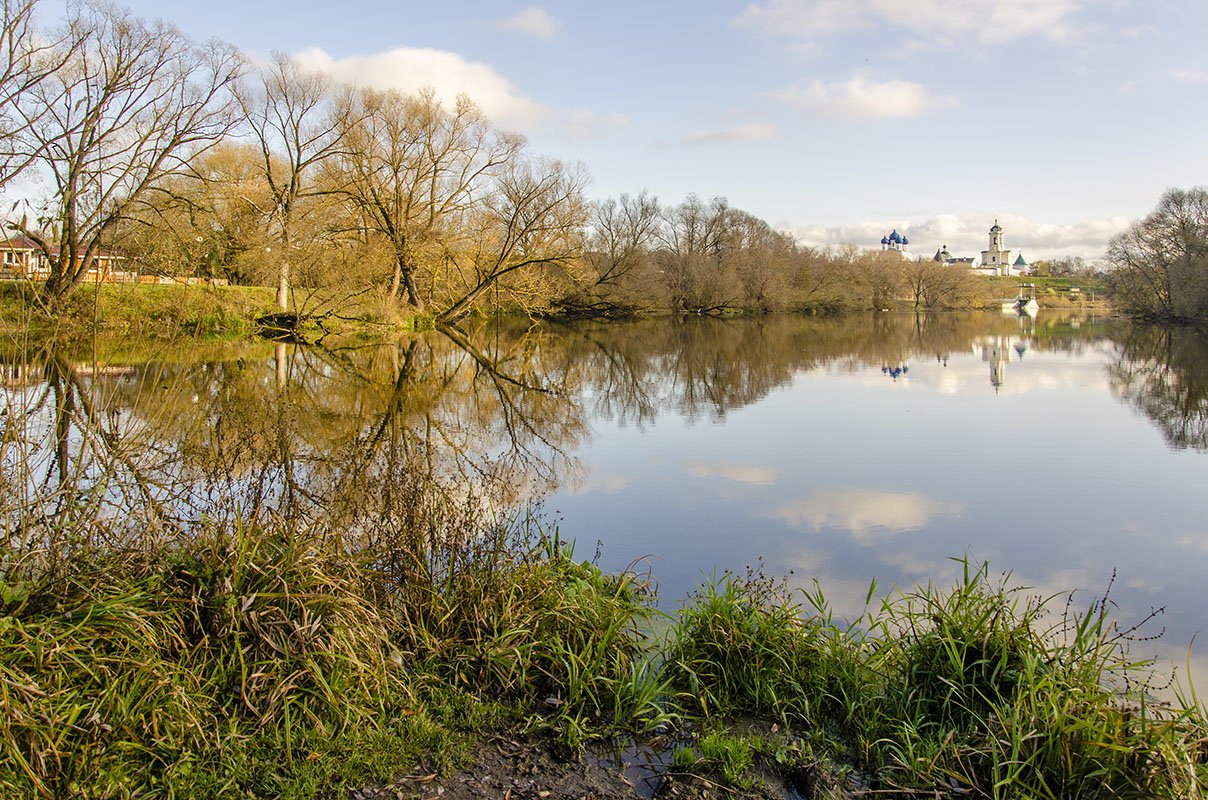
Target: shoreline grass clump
[(977, 689), (264, 658), (149, 669)]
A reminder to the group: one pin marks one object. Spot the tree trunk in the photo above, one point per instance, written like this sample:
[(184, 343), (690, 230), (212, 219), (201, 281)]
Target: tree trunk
[(402, 274), (283, 286)]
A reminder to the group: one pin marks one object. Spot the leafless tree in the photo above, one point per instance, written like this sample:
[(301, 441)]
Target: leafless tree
[(289, 112), (691, 256), (413, 167), (128, 107), (531, 224), (27, 56), (932, 284), (623, 232), (1161, 262)]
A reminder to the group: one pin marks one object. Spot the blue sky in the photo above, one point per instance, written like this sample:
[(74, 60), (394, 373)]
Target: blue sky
[(834, 119)]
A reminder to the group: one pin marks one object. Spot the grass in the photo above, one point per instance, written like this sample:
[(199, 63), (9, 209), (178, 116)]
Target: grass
[(169, 311), (264, 660), (260, 659), (978, 688)]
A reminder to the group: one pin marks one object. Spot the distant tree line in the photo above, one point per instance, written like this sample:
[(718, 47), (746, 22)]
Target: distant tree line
[(191, 160)]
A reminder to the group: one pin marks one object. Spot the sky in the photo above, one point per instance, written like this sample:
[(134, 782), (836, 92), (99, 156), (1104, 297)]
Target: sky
[(834, 120)]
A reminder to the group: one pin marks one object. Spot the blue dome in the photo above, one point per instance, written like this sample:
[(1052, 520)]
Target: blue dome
[(884, 240), (905, 240), (895, 236)]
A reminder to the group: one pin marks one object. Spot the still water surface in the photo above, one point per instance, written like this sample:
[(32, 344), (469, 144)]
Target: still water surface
[(1061, 450)]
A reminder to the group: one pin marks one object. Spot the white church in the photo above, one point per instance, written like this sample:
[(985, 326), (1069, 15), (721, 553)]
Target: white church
[(995, 260)]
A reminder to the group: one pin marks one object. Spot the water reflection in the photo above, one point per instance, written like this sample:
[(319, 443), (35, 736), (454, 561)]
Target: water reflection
[(870, 446), (860, 511), (309, 431), (1163, 375)]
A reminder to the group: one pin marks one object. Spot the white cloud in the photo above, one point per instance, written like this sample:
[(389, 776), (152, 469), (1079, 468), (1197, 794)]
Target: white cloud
[(739, 473), (968, 234), (861, 98), (940, 21), (532, 21), (410, 69), (860, 512), (750, 132), (583, 123), (1189, 76)]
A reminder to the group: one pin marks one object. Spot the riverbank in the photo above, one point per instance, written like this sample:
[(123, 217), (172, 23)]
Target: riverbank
[(251, 658), (175, 311), (170, 311)]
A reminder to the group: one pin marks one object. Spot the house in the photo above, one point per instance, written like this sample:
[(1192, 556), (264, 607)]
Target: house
[(944, 257), (20, 257)]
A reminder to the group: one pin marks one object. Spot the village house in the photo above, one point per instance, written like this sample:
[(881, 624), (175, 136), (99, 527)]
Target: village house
[(22, 259)]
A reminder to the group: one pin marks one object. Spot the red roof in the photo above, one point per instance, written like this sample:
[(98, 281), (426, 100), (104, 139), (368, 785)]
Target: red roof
[(17, 243)]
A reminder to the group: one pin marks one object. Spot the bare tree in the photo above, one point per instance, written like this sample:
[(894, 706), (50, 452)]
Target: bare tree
[(129, 106), (623, 232), (412, 167), (27, 56), (531, 223), (691, 256), (289, 113), (760, 258), (1161, 262), (932, 284), (207, 222)]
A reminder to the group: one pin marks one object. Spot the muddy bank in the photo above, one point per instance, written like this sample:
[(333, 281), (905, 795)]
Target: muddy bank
[(517, 766)]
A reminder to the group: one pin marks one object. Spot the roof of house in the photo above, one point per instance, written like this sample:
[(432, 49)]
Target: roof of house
[(17, 242)]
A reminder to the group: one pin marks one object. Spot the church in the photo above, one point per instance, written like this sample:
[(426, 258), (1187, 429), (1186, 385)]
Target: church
[(896, 243), (995, 259)]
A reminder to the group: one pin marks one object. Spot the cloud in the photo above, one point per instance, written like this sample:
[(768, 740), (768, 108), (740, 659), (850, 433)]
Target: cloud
[(939, 21), (531, 21), (410, 69), (860, 512), (739, 473), (583, 123), (968, 234), (1189, 76), (750, 132), (860, 98)]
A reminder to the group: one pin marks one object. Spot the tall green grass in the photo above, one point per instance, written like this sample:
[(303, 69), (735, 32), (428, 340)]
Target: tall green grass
[(981, 688), (263, 659)]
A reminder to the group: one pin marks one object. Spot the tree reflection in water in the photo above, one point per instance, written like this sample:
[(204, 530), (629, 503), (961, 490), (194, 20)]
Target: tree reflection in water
[(346, 437), (1162, 373)]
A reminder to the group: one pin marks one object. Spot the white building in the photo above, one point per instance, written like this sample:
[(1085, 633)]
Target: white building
[(995, 260)]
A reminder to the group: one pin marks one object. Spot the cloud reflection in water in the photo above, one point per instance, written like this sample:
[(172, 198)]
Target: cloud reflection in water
[(862, 512)]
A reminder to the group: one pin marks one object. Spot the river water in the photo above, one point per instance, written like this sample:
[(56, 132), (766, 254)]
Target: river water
[(885, 447)]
